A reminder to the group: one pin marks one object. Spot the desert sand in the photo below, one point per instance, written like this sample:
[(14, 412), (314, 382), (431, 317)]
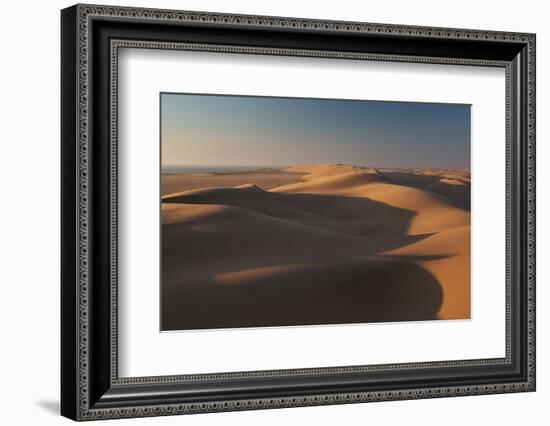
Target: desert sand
[(265, 178), (315, 244)]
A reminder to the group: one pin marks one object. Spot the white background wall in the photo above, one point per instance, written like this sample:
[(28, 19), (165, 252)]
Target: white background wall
[(29, 212)]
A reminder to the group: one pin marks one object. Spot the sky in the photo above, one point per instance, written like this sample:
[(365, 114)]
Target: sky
[(217, 130)]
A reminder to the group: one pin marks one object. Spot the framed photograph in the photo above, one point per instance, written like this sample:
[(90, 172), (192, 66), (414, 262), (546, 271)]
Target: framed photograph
[(263, 212)]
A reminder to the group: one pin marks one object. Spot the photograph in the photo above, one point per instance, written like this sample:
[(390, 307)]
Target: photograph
[(280, 211)]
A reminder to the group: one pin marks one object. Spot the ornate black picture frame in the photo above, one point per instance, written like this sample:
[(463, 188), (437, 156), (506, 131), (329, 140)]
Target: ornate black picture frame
[(90, 38)]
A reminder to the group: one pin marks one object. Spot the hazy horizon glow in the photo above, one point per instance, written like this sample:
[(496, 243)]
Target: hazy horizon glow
[(220, 130)]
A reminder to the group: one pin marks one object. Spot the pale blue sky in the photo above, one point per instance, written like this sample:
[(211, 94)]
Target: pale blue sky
[(214, 130)]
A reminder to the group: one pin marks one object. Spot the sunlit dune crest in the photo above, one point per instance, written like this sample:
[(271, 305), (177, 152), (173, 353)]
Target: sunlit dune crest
[(452, 181), (315, 244)]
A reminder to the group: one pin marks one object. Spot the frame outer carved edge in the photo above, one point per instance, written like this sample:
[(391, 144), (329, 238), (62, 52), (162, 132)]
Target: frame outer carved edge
[(87, 11), (82, 220)]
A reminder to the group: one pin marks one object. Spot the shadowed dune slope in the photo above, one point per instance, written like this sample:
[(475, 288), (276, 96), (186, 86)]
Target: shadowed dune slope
[(452, 269), (452, 185), (244, 238), (322, 293), (344, 244), (432, 213), (359, 216), (249, 197)]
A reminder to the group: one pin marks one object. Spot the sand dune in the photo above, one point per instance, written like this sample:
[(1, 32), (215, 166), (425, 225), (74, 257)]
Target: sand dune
[(315, 171), (227, 234), (266, 179), (246, 196), (356, 290), (432, 213), (336, 243), (343, 183), (450, 266), (452, 185)]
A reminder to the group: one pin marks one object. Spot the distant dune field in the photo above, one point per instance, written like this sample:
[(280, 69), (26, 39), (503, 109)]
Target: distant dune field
[(316, 244), (265, 178)]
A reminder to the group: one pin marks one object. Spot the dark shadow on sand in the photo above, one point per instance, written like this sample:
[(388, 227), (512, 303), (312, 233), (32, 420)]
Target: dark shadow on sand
[(340, 278), (456, 195), (370, 290), (358, 216)]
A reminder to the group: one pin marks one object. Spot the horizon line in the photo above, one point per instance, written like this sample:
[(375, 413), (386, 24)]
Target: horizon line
[(273, 166)]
